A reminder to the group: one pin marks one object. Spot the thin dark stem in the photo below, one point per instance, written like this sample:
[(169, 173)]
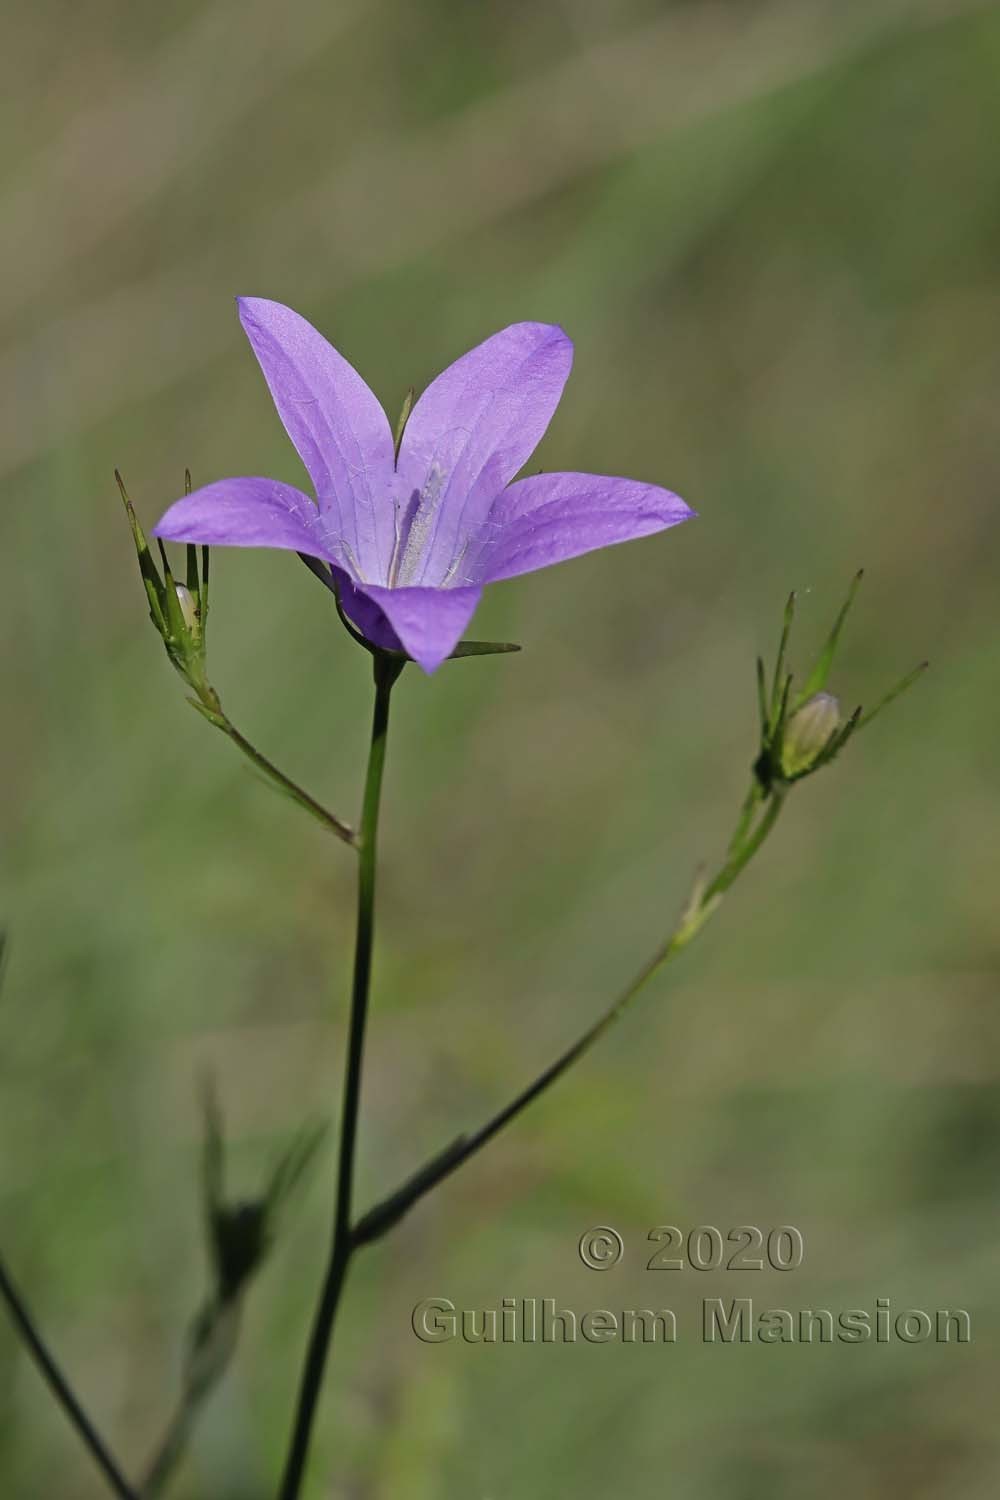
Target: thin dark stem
[(62, 1390), (387, 669), (745, 845)]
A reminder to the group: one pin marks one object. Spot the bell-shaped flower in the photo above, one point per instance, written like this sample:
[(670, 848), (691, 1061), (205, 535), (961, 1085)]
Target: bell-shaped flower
[(409, 539)]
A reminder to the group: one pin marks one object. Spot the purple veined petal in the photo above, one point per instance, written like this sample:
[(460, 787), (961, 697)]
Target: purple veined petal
[(427, 623), (338, 427), (550, 517), (471, 431), (247, 513)]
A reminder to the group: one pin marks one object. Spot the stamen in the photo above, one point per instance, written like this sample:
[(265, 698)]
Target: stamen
[(417, 522), (402, 535)]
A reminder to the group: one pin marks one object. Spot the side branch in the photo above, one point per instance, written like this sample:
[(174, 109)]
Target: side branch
[(378, 1220), (61, 1389), (703, 902), (208, 705)]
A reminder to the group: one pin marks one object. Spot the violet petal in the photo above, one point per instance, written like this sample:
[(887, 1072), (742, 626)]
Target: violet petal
[(338, 427), (246, 512), (550, 517), (427, 622), (471, 431)]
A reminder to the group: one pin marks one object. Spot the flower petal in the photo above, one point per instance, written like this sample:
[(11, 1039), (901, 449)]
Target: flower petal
[(338, 427), (471, 431), (549, 517), (428, 623), (247, 513)]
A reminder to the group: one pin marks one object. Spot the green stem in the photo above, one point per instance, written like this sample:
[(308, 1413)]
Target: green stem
[(208, 705), (298, 794), (744, 851), (387, 669), (746, 817)]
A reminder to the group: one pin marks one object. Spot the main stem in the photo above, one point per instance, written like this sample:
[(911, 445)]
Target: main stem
[(387, 669)]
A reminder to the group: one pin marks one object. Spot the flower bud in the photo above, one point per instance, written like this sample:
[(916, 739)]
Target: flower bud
[(188, 607), (808, 732)]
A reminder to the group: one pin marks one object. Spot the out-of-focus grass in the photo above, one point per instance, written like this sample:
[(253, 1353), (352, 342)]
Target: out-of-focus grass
[(772, 231)]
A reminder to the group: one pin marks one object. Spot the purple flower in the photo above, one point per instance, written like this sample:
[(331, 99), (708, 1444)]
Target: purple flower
[(411, 542)]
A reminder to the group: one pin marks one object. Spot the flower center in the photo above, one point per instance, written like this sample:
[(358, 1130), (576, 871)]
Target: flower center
[(414, 530)]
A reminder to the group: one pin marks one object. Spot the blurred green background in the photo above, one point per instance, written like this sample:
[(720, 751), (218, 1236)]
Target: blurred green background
[(772, 230)]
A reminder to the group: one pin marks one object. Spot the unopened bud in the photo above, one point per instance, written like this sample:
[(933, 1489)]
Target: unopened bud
[(188, 607), (808, 733)]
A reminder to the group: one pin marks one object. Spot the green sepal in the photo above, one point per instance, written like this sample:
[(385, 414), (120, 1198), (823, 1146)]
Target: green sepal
[(482, 648), (464, 648), (178, 638), (779, 665), (893, 693), (152, 582), (762, 707), (767, 766), (203, 593), (781, 719), (404, 417), (816, 681)]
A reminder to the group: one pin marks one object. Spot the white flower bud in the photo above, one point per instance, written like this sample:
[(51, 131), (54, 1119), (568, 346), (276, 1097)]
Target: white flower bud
[(808, 732), (188, 607)]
